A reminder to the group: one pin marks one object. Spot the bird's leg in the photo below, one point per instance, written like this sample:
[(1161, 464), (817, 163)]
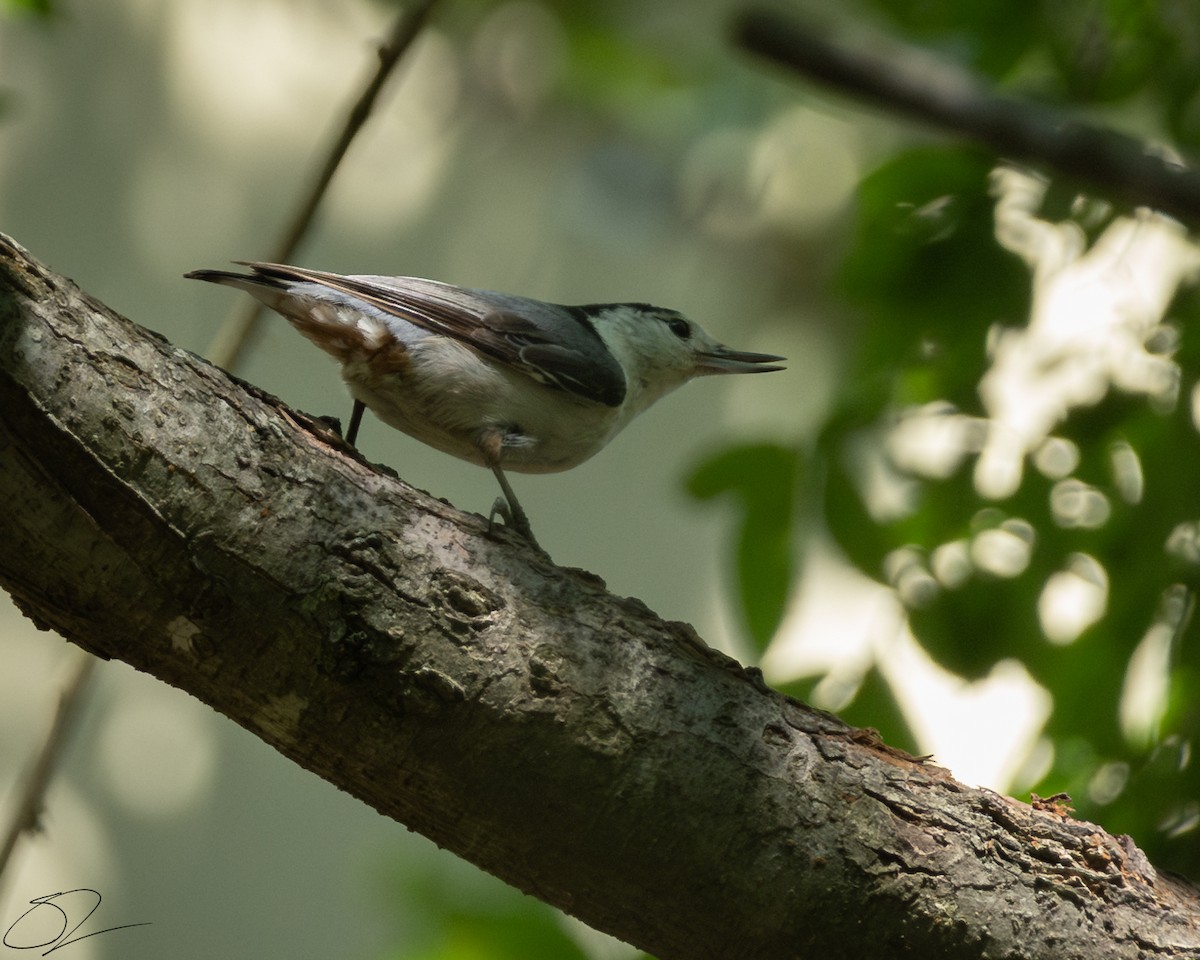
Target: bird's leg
[(355, 419), (491, 443), (509, 508)]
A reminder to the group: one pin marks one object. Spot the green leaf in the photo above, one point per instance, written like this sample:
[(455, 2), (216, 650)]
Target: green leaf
[(763, 479), (924, 237)]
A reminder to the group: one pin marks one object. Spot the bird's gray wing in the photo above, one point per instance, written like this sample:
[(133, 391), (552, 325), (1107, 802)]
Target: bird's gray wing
[(557, 346)]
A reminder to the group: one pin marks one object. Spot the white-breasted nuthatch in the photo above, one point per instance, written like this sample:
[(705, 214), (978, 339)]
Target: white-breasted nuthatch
[(505, 382)]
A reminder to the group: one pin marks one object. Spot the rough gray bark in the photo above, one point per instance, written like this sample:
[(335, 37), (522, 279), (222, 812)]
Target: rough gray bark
[(568, 741)]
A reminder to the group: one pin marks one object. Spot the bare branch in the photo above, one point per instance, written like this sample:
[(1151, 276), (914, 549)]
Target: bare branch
[(909, 82)]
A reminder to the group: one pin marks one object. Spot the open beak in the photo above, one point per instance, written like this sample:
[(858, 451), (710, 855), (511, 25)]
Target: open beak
[(724, 360)]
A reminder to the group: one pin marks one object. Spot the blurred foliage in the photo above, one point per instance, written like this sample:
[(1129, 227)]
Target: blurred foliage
[(1081, 52), (926, 280), (471, 916), (37, 8), (43, 8), (928, 276), (925, 342)]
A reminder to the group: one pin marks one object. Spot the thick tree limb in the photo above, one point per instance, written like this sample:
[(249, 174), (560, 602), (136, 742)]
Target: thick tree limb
[(911, 83), (160, 512)]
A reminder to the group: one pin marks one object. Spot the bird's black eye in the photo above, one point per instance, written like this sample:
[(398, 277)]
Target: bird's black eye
[(680, 327)]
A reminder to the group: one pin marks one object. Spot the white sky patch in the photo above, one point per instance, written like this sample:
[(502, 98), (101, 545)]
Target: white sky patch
[(1127, 473), (1147, 677), (842, 622), (1004, 551), (1076, 504), (1073, 599), (157, 753), (1093, 312), (1143, 699), (1056, 458), (931, 441), (982, 731)]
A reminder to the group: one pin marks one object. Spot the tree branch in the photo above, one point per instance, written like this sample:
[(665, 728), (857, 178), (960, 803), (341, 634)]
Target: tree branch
[(568, 741), (912, 83)]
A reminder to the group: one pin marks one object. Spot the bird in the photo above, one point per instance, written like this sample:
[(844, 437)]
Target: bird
[(503, 381)]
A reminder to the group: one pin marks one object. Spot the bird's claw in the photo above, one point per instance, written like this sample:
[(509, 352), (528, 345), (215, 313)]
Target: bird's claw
[(514, 519)]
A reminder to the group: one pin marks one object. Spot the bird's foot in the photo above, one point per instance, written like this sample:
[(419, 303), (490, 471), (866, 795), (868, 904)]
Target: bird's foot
[(513, 518)]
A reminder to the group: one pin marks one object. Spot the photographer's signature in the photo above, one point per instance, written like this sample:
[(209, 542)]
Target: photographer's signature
[(64, 912)]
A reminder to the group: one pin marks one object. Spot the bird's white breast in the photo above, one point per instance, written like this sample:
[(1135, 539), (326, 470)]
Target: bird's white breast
[(447, 395)]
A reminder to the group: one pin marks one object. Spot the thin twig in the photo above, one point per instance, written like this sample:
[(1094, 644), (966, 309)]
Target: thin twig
[(233, 334), (29, 806), (910, 82)]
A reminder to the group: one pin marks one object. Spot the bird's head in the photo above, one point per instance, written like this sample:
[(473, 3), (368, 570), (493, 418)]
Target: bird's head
[(661, 349)]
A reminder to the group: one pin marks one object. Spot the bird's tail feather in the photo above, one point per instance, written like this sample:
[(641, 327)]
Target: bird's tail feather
[(343, 336)]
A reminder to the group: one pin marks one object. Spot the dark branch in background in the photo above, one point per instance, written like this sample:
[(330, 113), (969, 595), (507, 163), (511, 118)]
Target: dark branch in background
[(225, 350), (514, 712), (236, 330), (910, 82)]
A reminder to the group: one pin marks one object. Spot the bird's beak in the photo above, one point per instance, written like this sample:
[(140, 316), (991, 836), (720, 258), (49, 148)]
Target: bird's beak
[(723, 360)]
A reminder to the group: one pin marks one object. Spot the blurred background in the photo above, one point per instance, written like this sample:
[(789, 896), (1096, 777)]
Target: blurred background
[(908, 526)]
